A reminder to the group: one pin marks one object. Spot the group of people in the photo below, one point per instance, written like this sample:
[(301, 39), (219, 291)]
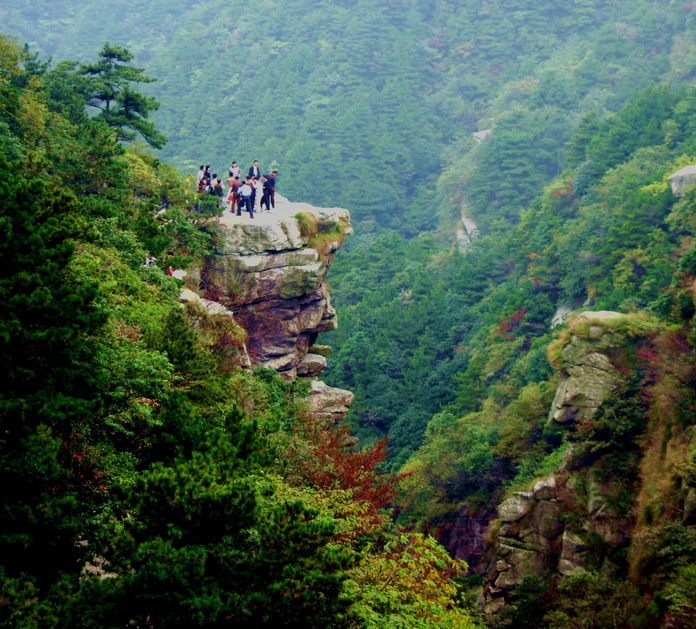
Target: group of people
[(242, 193)]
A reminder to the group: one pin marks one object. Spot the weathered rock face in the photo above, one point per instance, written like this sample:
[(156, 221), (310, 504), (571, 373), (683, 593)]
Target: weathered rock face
[(569, 522), (464, 538), (272, 277), (565, 525), (587, 376), (682, 178), (311, 365), (466, 231), (329, 403)]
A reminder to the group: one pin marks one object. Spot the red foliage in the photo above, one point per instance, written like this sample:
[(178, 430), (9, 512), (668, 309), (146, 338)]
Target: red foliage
[(84, 469), (507, 325), (647, 353), (563, 192), (333, 464), (667, 355), (532, 256), (687, 7)]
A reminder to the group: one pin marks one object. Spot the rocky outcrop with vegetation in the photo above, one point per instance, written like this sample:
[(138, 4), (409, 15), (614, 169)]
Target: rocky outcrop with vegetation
[(270, 272), (594, 514)]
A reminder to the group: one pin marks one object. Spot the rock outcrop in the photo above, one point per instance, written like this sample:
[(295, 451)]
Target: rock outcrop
[(329, 403), (681, 178), (216, 324), (270, 274), (561, 314), (569, 521), (466, 231), (483, 135), (587, 374)]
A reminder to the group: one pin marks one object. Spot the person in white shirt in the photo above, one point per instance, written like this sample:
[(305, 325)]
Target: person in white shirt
[(246, 201)]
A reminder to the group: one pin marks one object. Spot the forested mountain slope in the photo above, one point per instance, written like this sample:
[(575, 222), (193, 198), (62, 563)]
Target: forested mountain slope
[(372, 106), (148, 480), (356, 101)]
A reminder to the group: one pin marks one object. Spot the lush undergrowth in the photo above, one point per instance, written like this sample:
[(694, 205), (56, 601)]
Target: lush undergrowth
[(372, 106), (148, 481)]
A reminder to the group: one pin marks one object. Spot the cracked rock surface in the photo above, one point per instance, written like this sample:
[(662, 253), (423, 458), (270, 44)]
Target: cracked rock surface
[(272, 277)]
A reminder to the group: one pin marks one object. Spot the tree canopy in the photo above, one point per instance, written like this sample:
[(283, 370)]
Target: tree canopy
[(108, 88)]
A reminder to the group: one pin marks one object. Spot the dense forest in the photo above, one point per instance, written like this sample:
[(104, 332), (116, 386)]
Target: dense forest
[(147, 479), (586, 108)]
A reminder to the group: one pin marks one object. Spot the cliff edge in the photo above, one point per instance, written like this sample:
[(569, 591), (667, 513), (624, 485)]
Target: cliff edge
[(270, 274)]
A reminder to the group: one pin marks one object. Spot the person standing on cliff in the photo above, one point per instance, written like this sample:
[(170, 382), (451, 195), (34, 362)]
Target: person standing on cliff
[(235, 171), (237, 197), (266, 198), (231, 194), (254, 170), (219, 192), (258, 191), (253, 184), (246, 202), (272, 184)]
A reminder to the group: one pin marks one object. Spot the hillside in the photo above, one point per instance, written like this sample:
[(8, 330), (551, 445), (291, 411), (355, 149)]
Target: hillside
[(337, 93), (154, 473), (552, 129)]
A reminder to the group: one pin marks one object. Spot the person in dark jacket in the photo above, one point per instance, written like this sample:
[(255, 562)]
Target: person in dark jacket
[(254, 170), (219, 192), (271, 185), (266, 197)]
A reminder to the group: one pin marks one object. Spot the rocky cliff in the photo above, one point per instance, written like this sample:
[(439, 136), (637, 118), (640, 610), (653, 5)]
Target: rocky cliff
[(594, 510), (270, 275)]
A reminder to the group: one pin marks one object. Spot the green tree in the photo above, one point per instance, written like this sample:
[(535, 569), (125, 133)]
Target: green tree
[(108, 89), (46, 394)]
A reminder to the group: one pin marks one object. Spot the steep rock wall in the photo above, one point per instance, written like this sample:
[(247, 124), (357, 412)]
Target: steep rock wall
[(572, 520), (270, 273), (463, 537)]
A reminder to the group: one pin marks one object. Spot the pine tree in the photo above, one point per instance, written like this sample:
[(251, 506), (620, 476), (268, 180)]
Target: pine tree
[(109, 90), (45, 392)]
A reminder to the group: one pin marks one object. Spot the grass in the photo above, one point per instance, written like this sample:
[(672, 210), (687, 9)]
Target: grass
[(308, 223), (326, 236)]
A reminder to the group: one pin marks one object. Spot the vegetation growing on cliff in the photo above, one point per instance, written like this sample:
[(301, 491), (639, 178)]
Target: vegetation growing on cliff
[(147, 481), (591, 108)]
